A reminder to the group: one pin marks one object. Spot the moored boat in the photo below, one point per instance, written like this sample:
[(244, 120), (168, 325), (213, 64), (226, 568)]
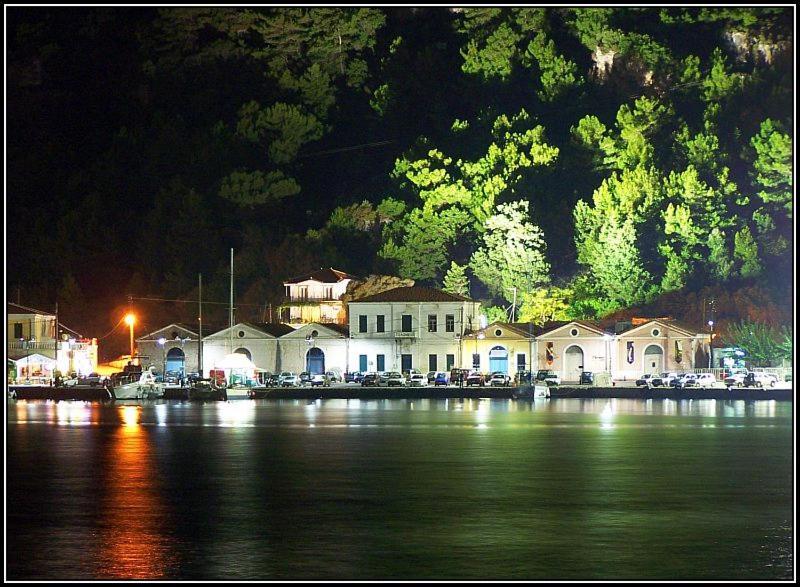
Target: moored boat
[(207, 390), (534, 392), (145, 388)]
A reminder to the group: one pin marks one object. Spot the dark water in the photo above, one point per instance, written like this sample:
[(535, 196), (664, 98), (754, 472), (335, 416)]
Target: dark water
[(400, 489)]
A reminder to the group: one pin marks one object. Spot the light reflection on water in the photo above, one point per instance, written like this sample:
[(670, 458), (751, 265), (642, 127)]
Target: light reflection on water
[(400, 489)]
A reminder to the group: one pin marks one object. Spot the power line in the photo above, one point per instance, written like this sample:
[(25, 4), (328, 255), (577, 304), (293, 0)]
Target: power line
[(193, 302), (342, 149)]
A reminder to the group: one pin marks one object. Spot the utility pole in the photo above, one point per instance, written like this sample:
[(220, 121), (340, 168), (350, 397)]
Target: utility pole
[(200, 320)]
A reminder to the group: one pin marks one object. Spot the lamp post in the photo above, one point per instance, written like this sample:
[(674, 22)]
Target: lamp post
[(710, 342), (130, 320)]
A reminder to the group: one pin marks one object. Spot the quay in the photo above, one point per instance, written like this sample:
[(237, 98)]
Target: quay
[(97, 393)]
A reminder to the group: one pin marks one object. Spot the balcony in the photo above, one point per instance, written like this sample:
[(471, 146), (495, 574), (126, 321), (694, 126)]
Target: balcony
[(32, 345), (294, 301)]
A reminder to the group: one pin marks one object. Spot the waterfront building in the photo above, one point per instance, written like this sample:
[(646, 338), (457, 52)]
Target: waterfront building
[(500, 346), (316, 348), (647, 345), (570, 348), (171, 348), (410, 328), (315, 297), (38, 345), (257, 342)]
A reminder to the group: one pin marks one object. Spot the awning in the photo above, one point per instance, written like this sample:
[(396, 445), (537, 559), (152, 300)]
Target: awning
[(235, 361), (37, 359)]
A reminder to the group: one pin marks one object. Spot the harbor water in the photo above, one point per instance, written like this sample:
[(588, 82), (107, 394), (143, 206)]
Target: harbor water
[(445, 489)]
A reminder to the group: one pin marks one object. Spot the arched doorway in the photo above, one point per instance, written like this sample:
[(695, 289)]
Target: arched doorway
[(315, 361), (176, 360), (653, 359), (573, 363), (498, 360), (245, 352)]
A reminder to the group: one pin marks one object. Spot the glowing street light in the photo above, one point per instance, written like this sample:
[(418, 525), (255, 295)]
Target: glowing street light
[(162, 342), (710, 342), (130, 320)]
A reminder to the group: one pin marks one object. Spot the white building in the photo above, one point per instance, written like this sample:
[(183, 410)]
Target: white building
[(258, 342), (316, 348), (316, 297), (171, 348), (409, 328)]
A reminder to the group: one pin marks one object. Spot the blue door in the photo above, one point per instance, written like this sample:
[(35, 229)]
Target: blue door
[(175, 360), (362, 363), (498, 360), (315, 361), (405, 362)]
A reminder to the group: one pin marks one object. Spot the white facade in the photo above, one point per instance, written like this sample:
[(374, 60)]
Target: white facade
[(316, 348), (172, 348), (316, 298), (402, 335), (257, 345)]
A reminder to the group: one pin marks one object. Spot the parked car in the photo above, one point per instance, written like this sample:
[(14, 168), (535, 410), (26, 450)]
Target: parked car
[(701, 380), (458, 376), (305, 378), (284, 375), (476, 378), (393, 378), (441, 379), (320, 380), (350, 377), (431, 377), (645, 380), (499, 379), (418, 380), (735, 378), (548, 376), (760, 379), (274, 380), (685, 380), (662, 380), (587, 377), (383, 377), (370, 380), (290, 380), (358, 376), (333, 376)]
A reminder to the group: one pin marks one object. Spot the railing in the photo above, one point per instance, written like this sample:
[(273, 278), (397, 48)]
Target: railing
[(308, 299), (32, 345)]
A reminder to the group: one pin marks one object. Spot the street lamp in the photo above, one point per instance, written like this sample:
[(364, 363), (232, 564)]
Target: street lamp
[(710, 342), (130, 320)]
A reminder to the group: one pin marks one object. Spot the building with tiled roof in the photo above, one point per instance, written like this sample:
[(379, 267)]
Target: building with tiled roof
[(414, 293)]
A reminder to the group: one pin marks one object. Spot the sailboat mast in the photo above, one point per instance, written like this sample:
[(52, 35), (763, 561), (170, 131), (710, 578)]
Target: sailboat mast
[(200, 319), (230, 330)]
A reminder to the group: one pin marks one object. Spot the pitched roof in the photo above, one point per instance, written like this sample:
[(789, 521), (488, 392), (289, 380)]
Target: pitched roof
[(275, 330), (340, 328), (413, 294), (329, 275)]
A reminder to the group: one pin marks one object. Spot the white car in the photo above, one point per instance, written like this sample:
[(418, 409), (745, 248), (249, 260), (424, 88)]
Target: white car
[(288, 379), (700, 380), (395, 378), (663, 380), (736, 378), (684, 380), (418, 380), (760, 379), (500, 379)]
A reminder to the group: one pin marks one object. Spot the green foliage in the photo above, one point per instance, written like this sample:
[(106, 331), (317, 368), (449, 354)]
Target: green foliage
[(512, 252), (745, 251), (458, 196), (495, 314), (557, 74), (546, 304), (773, 166), (455, 281), (495, 58), (764, 344), (253, 188), (719, 84)]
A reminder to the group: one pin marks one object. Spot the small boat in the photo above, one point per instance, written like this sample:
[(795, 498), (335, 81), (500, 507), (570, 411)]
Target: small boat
[(534, 392), (145, 388), (238, 391), (207, 390)]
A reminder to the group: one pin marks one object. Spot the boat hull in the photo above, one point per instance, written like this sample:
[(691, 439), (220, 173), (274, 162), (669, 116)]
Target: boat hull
[(138, 391)]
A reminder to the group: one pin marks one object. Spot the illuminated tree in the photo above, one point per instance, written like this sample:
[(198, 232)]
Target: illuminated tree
[(511, 255), (455, 281)]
